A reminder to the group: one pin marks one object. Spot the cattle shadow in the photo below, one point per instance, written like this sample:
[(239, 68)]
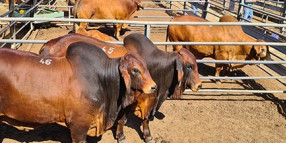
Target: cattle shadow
[(253, 85), (135, 123), (132, 122), (51, 132), (48, 132), (170, 13)]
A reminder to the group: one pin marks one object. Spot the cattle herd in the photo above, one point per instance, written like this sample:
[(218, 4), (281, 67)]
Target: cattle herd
[(89, 84)]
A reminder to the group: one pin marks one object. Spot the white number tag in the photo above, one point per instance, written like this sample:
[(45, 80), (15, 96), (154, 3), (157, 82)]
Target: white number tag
[(46, 62), (110, 50), (104, 49)]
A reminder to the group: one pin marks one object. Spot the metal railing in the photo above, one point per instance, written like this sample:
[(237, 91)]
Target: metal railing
[(148, 26)]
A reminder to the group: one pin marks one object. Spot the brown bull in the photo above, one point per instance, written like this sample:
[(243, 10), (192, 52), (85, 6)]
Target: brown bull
[(85, 89), (172, 71), (192, 33), (107, 9)]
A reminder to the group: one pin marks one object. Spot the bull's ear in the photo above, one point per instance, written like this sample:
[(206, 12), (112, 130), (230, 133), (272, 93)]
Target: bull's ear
[(179, 68), (124, 72)]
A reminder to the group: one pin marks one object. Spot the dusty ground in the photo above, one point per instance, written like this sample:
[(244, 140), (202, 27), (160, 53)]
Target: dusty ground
[(198, 117)]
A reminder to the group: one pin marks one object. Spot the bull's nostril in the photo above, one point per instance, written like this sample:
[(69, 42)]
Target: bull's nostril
[(154, 87)]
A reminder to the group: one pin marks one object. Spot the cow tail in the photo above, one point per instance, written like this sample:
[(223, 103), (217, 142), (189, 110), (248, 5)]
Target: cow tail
[(78, 2), (167, 37)]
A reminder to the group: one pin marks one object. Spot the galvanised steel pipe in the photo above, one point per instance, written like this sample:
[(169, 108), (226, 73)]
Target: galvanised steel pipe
[(162, 43), (188, 91), (244, 77), (139, 22)]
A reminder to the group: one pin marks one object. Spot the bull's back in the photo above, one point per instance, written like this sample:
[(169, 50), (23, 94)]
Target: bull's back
[(194, 33), (102, 9), (58, 47)]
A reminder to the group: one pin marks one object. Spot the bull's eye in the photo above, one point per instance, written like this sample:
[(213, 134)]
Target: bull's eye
[(189, 66), (136, 71)]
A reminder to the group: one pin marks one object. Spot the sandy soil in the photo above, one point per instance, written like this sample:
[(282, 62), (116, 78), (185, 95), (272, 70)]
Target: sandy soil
[(197, 117)]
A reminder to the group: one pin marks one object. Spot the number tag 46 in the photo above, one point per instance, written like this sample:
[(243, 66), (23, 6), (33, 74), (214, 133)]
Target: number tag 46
[(46, 62)]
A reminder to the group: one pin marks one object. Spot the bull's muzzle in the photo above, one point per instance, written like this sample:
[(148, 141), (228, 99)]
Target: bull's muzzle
[(150, 88), (140, 6), (197, 86)]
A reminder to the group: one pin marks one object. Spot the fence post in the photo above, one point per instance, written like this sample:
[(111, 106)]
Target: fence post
[(205, 11), (283, 15), (224, 4), (185, 7), (147, 30), (11, 14), (239, 12), (35, 9)]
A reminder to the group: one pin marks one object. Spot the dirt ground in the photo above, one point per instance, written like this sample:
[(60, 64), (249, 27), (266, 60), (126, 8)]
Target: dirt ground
[(196, 118)]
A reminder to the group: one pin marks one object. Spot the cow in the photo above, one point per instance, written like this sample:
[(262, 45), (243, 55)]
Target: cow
[(85, 89), (196, 33), (227, 18), (107, 9), (57, 47), (172, 71), (92, 33)]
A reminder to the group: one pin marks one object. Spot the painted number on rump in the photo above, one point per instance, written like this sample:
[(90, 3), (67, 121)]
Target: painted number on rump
[(109, 51), (46, 62)]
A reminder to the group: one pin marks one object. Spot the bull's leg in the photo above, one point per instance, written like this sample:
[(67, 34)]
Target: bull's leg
[(117, 29), (119, 131), (83, 25), (218, 69), (177, 47), (78, 133), (146, 132), (225, 70)]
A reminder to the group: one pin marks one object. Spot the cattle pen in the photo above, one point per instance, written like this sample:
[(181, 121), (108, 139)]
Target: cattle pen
[(153, 26)]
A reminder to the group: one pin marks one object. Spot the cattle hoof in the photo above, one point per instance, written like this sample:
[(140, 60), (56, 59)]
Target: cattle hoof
[(149, 140), (122, 141), (217, 82)]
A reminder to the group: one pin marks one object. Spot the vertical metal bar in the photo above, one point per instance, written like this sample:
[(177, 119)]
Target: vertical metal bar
[(185, 7), (147, 30), (69, 9), (171, 4), (12, 28), (205, 11), (239, 12), (224, 4), (34, 10), (283, 15)]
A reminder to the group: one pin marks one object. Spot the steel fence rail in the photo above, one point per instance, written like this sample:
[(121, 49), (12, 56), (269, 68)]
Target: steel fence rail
[(188, 91), (199, 61), (161, 43), (240, 62), (172, 0), (140, 22), (264, 12), (243, 77)]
